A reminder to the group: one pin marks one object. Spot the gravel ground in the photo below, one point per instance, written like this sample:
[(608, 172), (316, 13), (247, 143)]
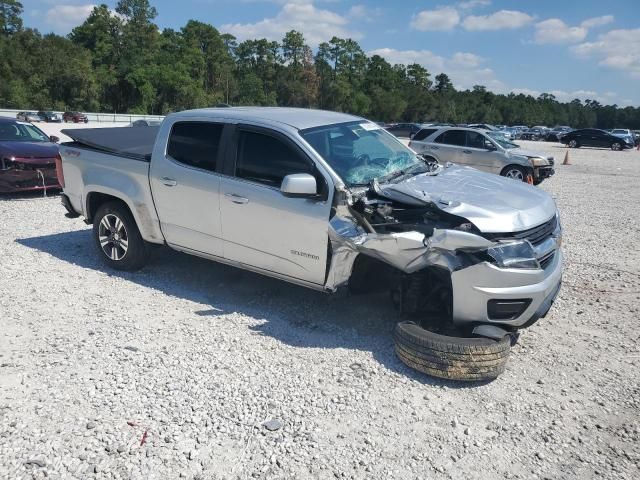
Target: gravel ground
[(196, 370)]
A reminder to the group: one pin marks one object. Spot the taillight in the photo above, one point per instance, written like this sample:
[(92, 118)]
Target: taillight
[(59, 171)]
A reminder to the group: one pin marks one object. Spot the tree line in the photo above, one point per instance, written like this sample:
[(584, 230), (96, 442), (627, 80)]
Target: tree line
[(121, 62)]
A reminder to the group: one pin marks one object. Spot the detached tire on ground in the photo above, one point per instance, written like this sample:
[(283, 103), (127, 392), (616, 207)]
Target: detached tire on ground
[(118, 238), (453, 358)]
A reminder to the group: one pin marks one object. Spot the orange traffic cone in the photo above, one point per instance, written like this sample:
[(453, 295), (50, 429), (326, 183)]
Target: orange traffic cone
[(566, 158)]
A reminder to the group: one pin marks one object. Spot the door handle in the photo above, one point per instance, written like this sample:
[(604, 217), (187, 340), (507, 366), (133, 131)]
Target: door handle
[(169, 182), (466, 151), (236, 198)]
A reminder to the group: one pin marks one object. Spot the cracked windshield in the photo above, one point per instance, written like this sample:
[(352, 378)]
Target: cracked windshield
[(362, 151)]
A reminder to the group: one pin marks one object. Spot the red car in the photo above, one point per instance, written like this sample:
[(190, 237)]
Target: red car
[(75, 117), (27, 157)]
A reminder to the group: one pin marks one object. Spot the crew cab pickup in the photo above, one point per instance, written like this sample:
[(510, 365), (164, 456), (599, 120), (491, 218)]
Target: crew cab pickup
[(321, 199)]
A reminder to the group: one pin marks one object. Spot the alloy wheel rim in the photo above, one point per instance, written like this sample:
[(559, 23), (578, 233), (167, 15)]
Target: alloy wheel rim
[(573, 143), (515, 174), (113, 237), (616, 146)]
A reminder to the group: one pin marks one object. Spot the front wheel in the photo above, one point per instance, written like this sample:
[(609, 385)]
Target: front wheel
[(616, 147), (451, 357), (574, 144), (118, 238), (515, 173)]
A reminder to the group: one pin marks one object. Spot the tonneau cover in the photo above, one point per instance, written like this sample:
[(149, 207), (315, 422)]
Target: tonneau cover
[(131, 142)]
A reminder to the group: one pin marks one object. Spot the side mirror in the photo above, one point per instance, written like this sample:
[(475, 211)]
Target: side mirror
[(54, 139), (411, 135), (299, 185), (490, 146)]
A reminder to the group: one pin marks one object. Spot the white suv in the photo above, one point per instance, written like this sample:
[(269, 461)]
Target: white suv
[(485, 150)]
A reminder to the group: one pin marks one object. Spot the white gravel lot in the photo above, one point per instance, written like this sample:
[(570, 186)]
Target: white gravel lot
[(193, 357)]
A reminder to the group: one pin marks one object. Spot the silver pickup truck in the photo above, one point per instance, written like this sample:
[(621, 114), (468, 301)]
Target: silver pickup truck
[(324, 200)]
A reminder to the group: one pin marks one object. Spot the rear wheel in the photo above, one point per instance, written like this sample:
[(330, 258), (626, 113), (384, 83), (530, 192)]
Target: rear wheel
[(451, 357), (615, 146), (515, 173), (118, 238)]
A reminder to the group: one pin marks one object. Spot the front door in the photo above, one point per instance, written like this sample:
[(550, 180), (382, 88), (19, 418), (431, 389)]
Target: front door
[(481, 153), (261, 226)]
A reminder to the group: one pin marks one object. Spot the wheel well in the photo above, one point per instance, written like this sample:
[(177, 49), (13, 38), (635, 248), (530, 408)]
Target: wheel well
[(95, 200), (526, 169), (427, 290)]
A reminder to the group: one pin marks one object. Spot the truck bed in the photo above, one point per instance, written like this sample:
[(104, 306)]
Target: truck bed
[(135, 143)]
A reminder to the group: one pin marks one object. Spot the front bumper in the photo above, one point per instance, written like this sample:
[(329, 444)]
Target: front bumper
[(23, 180), (474, 286), (540, 173)]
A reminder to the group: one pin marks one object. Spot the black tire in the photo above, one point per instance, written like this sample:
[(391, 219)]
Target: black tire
[(454, 358), (616, 146), (514, 172), (574, 143), (136, 253)]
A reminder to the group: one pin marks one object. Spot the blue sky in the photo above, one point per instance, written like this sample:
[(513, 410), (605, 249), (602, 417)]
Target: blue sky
[(583, 49)]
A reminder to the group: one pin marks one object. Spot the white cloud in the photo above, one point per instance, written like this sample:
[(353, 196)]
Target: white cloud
[(501, 20), (363, 13), (468, 60), (464, 69), (555, 30), (597, 21), (471, 4), (62, 18), (316, 24), (617, 49), (442, 19)]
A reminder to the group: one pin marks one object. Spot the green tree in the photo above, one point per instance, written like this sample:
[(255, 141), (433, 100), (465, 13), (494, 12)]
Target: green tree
[(10, 20)]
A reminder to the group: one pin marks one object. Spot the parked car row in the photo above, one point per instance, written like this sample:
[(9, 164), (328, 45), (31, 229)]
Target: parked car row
[(52, 117)]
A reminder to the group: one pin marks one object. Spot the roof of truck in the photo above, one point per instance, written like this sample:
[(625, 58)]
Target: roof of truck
[(300, 118)]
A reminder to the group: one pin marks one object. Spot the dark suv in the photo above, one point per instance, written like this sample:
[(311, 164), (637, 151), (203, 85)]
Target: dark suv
[(75, 117)]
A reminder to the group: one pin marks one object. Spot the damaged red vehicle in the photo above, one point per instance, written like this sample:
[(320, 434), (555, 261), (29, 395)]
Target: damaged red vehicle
[(27, 157)]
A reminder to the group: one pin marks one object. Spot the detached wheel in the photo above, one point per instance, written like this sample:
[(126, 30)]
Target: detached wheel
[(616, 147), (455, 358), (118, 239), (515, 173)]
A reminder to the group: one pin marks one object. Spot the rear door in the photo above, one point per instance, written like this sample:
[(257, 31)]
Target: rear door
[(448, 146), (186, 186), (261, 226)]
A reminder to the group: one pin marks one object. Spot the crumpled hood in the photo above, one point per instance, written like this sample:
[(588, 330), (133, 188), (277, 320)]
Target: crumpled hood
[(28, 149), (492, 203), (526, 153)]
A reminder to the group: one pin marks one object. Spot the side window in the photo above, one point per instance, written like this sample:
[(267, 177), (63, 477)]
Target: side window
[(267, 160), (477, 140), (424, 133), (452, 137), (195, 144)]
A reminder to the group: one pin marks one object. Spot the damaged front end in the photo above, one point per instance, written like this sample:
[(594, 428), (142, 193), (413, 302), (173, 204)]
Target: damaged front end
[(19, 174), (384, 238)]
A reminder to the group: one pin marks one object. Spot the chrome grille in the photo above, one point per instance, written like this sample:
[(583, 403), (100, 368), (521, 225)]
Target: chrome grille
[(535, 235)]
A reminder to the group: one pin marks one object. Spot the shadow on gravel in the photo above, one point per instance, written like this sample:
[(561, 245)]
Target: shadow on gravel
[(294, 315)]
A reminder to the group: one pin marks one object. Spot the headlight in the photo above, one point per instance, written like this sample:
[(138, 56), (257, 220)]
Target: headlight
[(514, 255), (538, 162)]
